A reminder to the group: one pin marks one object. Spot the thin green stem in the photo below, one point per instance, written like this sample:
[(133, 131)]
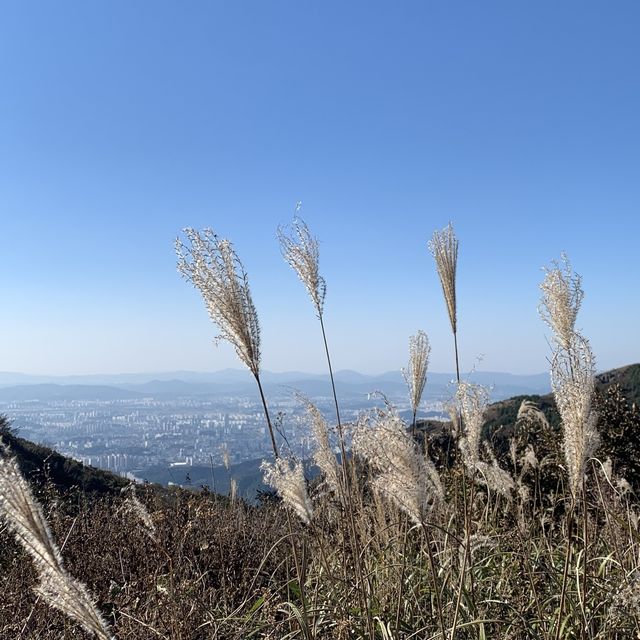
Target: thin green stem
[(455, 344), (436, 582), (345, 487), (565, 573), (266, 413)]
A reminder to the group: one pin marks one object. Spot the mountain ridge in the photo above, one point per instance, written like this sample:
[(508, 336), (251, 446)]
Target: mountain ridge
[(239, 382)]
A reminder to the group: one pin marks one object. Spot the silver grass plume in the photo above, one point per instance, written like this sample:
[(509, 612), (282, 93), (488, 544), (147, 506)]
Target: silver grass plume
[(561, 299), (415, 374), (572, 382), (287, 478), (530, 411), (472, 400), (57, 588), (572, 369), (444, 247), (212, 266), (133, 506), (496, 478), (300, 249), (403, 475), (529, 460), (323, 456)]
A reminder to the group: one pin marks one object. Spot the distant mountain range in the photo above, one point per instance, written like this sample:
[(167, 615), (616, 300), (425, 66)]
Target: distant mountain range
[(16, 387)]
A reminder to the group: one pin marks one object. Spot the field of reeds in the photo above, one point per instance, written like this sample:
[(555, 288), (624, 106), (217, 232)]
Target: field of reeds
[(513, 521)]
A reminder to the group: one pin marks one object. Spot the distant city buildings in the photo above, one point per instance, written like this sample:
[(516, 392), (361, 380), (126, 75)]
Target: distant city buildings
[(130, 436)]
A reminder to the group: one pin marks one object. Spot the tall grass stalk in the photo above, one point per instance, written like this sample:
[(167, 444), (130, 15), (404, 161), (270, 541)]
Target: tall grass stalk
[(404, 476), (444, 248), (573, 385), (57, 588), (300, 249), (415, 375), (212, 266)]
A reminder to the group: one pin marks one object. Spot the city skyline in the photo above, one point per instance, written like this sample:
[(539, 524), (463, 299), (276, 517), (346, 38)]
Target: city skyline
[(121, 126)]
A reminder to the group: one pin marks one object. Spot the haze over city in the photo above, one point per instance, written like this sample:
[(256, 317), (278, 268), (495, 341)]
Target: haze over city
[(120, 126)]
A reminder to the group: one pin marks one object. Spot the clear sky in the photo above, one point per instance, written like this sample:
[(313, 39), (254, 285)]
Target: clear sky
[(123, 121)]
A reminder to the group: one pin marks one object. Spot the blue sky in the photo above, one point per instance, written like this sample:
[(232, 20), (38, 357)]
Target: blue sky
[(122, 122)]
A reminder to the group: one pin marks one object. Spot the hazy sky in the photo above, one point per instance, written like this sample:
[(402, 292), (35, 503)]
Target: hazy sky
[(122, 122)]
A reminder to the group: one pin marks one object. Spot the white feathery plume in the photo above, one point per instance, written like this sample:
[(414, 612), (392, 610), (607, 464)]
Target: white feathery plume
[(572, 369), (472, 402), (573, 385), (415, 374), (212, 266), (287, 478), (444, 248), (530, 410), (404, 476), (133, 505), (300, 249), (323, 456), (25, 518), (496, 478), (529, 459), (561, 299)]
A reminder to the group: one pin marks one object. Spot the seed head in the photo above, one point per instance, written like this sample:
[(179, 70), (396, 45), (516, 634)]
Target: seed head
[(561, 299), (444, 247), (133, 506), (472, 402), (415, 374), (300, 249), (573, 385), (323, 456), (404, 476), (57, 588), (530, 411), (494, 476), (212, 266), (287, 478)]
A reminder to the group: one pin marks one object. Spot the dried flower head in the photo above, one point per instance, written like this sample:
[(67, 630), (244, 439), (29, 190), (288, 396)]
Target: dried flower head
[(561, 298), (529, 460), (573, 385), (530, 411), (323, 456), (212, 266), (495, 478), (472, 402), (300, 249), (133, 506), (287, 478), (415, 374), (444, 247), (57, 588), (404, 476)]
